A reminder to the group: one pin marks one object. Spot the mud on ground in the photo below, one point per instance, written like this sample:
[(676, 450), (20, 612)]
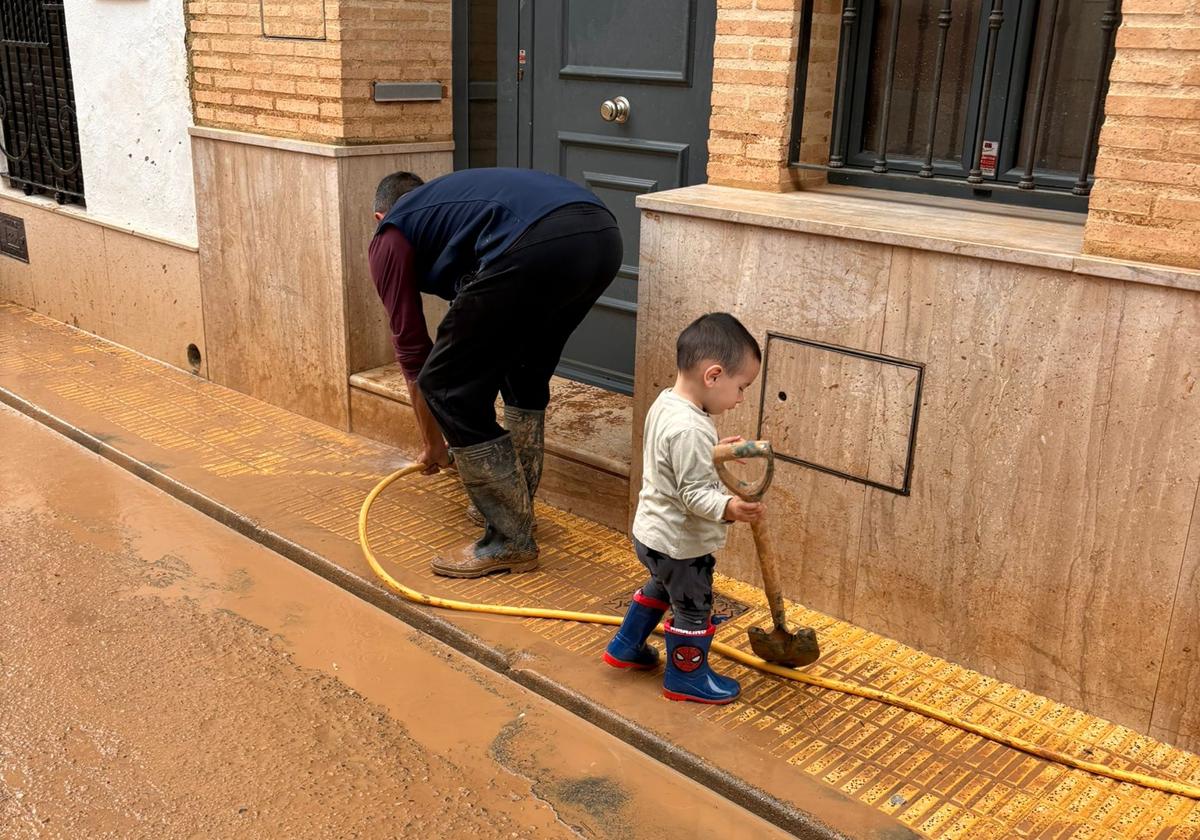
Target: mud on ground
[(162, 677)]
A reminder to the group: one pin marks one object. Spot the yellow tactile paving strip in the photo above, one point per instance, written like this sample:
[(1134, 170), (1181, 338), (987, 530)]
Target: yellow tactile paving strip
[(937, 780)]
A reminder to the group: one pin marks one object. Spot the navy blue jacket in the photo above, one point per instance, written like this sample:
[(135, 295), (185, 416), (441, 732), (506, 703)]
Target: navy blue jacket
[(460, 222)]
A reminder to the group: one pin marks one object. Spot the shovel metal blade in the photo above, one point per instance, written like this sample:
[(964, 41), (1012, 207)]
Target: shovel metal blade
[(784, 648)]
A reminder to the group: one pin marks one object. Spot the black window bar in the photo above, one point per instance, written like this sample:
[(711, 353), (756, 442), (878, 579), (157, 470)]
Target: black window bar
[(998, 99), (37, 101)]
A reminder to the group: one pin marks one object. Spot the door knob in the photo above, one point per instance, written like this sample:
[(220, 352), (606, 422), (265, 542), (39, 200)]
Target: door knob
[(615, 110)]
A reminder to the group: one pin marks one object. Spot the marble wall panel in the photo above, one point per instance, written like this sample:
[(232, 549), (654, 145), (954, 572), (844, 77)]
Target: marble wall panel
[(836, 410), (69, 269), (1056, 470), (369, 338), (1176, 714), (1019, 365), (271, 271), (153, 299), (1142, 581), (806, 286), (1056, 466), (138, 291)]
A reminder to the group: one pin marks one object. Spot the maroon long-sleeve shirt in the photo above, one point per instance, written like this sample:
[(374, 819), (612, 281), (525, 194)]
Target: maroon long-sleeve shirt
[(391, 259)]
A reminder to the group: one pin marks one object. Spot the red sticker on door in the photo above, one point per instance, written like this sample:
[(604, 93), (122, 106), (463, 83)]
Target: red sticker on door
[(987, 161)]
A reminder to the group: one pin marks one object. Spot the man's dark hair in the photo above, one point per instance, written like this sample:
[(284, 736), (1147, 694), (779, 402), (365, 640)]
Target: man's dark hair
[(392, 187), (718, 337)]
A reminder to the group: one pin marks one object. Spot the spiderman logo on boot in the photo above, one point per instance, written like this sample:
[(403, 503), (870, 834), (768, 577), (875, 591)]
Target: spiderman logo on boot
[(687, 658)]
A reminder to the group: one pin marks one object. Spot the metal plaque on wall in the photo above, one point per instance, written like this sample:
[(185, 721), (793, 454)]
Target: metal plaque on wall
[(12, 237), (847, 412)]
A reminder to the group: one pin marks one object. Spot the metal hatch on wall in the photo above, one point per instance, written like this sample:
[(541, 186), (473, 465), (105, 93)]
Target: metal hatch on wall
[(613, 94)]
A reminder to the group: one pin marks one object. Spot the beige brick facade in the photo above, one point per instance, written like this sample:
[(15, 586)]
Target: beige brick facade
[(401, 41), (317, 85), (1146, 202), (314, 81), (754, 70), (754, 59)]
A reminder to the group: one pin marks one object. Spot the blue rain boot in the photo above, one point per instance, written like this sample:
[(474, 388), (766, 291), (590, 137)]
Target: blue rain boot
[(628, 649), (688, 676)]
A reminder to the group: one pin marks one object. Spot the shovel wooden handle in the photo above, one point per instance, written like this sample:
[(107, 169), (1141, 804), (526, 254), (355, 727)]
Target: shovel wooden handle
[(752, 493), (770, 573)]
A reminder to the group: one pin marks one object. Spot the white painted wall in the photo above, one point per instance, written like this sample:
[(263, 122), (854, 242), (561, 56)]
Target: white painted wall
[(129, 63)]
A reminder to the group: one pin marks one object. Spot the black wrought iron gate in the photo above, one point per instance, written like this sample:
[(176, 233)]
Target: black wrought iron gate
[(37, 101)]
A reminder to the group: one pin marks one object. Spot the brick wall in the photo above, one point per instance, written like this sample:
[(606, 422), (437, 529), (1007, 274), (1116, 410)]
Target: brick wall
[(245, 81), (754, 75), (1146, 201), (754, 60), (316, 84), (1145, 206), (399, 41)]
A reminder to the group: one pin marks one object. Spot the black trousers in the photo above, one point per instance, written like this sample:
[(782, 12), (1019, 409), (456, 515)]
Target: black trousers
[(506, 328)]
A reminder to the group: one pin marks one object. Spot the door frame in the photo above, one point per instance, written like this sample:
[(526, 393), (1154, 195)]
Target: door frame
[(514, 84), (460, 47)]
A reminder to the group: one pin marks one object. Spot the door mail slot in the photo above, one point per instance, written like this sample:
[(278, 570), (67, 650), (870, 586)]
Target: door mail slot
[(843, 411), (407, 91)]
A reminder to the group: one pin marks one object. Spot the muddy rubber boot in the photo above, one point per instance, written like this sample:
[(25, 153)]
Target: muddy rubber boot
[(494, 480), (628, 649), (475, 516), (528, 430), (688, 675)]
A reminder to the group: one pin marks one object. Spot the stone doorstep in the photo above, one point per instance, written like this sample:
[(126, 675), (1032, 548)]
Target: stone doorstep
[(588, 439)]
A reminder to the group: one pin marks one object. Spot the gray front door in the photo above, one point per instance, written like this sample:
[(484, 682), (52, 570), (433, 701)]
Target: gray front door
[(578, 54)]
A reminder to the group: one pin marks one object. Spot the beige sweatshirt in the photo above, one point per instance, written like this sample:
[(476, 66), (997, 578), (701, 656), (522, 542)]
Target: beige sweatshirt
[(682, 503)]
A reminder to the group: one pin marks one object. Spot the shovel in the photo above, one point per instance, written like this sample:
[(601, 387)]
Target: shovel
[(779, 645)]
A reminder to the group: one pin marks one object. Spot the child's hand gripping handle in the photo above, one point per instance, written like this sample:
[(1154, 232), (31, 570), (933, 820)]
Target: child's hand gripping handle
[(739, 451), (753, 492)]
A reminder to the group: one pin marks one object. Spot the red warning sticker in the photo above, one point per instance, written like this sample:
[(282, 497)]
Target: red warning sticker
[(987, 161)]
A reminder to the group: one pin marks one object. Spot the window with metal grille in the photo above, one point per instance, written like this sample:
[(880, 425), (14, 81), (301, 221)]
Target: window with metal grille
[(37, 101), (999, 98), (22, 22)]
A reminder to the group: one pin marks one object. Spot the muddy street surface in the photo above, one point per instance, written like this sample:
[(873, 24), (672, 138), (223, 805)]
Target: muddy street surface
[(161, 676)]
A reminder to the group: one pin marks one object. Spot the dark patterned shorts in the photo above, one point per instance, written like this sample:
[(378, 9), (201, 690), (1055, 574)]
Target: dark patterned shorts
[(686, 584)]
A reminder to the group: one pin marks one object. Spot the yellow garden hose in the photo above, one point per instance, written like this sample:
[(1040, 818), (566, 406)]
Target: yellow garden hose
[(1164, 785)]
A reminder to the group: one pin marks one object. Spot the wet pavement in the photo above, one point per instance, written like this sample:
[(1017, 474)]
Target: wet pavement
[(816, 761), (163, 676)]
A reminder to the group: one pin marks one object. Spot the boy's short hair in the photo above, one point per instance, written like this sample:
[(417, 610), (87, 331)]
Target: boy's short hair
[(393, 187), (717, 336)]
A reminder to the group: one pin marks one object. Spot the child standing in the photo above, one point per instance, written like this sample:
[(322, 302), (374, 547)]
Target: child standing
[(683, 511)]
